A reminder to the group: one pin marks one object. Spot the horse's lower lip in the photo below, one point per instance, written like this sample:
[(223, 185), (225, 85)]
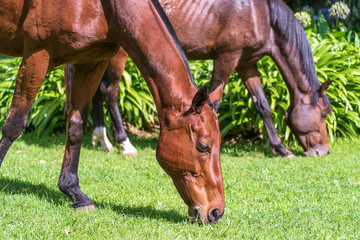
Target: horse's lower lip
[(195, 216), (315, 153), (310, 153)]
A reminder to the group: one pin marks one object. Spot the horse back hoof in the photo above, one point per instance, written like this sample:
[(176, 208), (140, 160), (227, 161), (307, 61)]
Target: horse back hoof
[(108, 149), (87, 208), (289, 154)]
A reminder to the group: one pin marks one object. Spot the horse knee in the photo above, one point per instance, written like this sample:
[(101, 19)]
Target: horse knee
[(76, 129), (14, 126), (262, 106)]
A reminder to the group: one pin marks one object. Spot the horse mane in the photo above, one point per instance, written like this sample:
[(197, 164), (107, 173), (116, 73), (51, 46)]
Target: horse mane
[(288, 26), (172, 33)]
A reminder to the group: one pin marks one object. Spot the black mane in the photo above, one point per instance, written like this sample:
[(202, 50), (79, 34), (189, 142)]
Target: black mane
[(171, 30), (285, 23)]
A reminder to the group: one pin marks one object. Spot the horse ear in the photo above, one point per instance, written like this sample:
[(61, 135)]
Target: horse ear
[(200, 99), (216, 95), (323, 87)]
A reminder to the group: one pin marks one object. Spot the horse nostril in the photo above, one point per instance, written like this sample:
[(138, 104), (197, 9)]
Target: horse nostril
[(214, 216)]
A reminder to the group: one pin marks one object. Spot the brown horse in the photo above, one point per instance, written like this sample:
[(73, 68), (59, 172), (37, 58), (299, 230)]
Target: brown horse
[(236, 34), (87, 33)]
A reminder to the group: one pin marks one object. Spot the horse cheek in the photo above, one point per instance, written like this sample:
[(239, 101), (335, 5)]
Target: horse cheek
[(174, 154)]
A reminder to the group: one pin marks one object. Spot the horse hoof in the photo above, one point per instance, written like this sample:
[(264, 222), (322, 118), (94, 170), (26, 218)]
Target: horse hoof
[(108, 149), (87, 208), (129, 149), (99, 136)]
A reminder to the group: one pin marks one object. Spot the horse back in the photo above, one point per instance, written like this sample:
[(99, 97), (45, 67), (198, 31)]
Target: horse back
[(207, 28), (62, 26)]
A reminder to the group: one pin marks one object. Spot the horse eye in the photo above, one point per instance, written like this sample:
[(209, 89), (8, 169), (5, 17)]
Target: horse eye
[(201, 147), (323, 115)]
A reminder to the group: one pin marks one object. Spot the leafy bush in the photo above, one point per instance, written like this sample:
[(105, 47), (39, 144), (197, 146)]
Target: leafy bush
[(8, 72), (135, 101), (336, 58), (47, 112)]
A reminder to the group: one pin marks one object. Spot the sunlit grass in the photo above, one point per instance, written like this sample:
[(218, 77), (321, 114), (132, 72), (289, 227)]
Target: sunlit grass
[(266, 197)]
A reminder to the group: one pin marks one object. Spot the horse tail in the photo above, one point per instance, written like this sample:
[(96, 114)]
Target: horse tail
[(284, 22), (68, 77)]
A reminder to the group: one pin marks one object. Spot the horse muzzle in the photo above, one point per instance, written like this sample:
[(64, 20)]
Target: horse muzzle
[(317, 151), (212, 217)]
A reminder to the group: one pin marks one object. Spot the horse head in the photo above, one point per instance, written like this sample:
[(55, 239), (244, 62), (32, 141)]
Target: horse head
[(308, 122), (189, 151)]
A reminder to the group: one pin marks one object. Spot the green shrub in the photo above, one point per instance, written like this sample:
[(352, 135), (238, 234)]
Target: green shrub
[(47, 114), (135, 101), (336, 57)]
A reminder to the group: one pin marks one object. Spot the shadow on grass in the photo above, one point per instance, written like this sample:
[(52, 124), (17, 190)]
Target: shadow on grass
[(144, 212), (15, 187)]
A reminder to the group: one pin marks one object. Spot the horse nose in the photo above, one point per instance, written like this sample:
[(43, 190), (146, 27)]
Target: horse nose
[(214, 216)]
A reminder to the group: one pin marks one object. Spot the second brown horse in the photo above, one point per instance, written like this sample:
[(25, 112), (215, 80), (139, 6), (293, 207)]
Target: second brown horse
[(236, 34)]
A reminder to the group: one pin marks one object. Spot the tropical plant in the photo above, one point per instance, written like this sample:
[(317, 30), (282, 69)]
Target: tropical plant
[(135, 101), (336, 57), (47, 113)]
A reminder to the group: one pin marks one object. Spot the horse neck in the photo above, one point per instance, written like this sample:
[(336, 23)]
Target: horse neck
[(160, 59), (288, 61), (291, 51)]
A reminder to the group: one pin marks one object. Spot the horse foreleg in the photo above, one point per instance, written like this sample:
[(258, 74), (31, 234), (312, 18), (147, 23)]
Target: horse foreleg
[(31, 75), (251, 79), (224, 65), (110, 89), (99, 134), (86, 81), (121, 138)]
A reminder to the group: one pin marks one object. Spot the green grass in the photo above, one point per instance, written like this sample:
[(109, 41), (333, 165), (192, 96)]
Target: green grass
[(266, 197)]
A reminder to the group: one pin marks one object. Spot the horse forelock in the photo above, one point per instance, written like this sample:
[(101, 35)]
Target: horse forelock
[(172, 33), (288, 26)]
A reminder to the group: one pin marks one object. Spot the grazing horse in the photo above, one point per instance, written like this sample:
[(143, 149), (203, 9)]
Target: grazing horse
[(87, 33), (236, 34)]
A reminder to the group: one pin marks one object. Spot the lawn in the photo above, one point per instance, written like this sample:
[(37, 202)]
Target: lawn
[(266, 197)]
